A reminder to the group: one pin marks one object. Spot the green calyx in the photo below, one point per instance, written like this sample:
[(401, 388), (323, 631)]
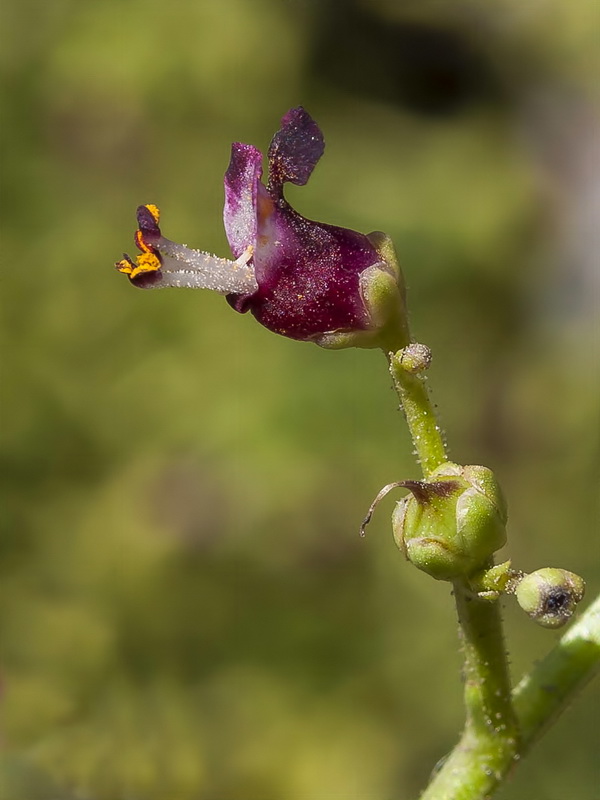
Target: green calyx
[(383, 293), (451, 525), (550, 595)]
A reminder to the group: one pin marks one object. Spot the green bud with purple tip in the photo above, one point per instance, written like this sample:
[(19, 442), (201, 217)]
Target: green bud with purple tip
[(450, 525)]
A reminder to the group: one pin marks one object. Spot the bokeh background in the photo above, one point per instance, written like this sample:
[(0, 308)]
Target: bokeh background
[(187, 610)]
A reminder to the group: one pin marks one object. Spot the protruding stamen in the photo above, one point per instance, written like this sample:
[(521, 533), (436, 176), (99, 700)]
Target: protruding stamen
[(184, 267), (162, 263)]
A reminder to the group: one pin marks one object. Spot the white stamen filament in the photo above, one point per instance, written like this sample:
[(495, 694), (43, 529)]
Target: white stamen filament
[(194, 269)]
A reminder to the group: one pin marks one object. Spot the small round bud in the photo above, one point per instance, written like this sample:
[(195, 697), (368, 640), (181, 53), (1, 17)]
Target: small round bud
[(414, 358), (549, 596), (451, 525)]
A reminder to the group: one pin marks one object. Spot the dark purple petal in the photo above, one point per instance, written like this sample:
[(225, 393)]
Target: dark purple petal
[(308, 273), (295, 149), (241, 197), (308, 276)]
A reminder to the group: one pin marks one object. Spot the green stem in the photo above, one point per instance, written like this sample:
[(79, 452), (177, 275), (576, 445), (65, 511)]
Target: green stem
[(477, 765), (489, 741), (420, 416), (552, 684)]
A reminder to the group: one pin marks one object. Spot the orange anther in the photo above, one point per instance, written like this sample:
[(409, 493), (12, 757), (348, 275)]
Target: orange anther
[(124, 266), (154, 210)]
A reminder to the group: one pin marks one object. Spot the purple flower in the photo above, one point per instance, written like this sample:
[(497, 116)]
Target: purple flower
[(299, 278)]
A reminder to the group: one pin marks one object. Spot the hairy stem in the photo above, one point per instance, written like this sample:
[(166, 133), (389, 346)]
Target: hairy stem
[(420, 416), (489, 741), (552, 684), (477, 766)]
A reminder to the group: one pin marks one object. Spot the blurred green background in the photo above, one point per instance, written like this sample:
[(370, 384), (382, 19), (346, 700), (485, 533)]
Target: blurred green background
[(187, 611)]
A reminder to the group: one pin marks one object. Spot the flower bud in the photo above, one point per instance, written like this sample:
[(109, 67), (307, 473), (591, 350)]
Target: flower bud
[(414, 358), (450, 525), (549, 596)]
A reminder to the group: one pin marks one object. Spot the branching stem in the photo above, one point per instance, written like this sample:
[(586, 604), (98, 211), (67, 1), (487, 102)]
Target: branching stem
[(499, 727)]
